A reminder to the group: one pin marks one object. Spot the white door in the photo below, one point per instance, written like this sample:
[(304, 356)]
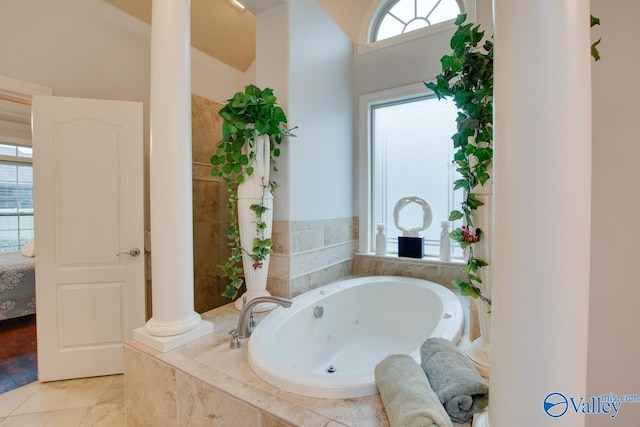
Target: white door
[(88, 211)]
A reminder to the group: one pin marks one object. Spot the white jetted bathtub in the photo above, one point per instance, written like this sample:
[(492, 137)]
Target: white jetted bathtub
[(329, 341)]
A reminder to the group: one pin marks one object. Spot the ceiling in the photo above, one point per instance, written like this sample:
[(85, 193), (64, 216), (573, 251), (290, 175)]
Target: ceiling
[(221, 30), (218, 28)]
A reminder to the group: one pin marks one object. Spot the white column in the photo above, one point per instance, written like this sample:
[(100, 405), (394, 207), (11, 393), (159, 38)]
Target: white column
[(170, 183), (542, 174)]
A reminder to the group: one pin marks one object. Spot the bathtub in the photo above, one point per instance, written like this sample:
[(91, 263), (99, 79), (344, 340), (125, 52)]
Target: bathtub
[(329, 341)]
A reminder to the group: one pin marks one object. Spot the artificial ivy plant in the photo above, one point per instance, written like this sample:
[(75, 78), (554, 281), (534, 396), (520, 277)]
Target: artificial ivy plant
[(247, 115), (467, 78)]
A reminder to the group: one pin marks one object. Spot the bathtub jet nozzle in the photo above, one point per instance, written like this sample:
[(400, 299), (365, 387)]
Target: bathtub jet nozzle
[(318, 311)]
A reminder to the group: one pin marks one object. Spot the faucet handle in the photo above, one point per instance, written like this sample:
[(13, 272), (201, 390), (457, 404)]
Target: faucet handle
[(235, 341)]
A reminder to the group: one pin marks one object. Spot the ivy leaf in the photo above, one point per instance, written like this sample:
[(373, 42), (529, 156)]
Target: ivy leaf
[(482, 177), (465, 288), (460, 183), (594, 21), (473, 202), (594, 50), (475, 278), (456, 235), (460, 19), (249, 171), (455, 215), (455, 63), (216, 160), (476, 35)]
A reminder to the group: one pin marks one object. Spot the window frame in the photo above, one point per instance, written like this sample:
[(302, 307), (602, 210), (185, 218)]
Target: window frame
[(14, 132), (388, 5), (17, 161), (366, 104), (366, 44)]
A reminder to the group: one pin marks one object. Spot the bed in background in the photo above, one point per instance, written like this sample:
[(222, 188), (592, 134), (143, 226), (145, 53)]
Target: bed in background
[(17, 285)]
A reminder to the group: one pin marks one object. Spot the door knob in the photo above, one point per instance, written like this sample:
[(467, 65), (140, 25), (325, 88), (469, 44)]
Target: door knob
[(134, 252)]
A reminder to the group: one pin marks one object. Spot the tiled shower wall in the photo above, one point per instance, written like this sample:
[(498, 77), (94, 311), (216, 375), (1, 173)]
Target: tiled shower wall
[(209, 207)]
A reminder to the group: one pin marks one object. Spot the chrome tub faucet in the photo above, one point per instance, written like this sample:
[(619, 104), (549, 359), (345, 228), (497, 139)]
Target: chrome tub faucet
[(246, 322)]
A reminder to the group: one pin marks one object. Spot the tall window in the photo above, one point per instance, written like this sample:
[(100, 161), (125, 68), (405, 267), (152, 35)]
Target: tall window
[(411, 155), (404, 16), (16, 196)]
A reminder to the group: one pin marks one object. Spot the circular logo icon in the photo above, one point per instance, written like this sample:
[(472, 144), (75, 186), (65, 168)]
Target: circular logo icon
[(555, 404)]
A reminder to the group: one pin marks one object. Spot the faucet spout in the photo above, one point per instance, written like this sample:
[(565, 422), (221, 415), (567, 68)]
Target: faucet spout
[(244, 328)]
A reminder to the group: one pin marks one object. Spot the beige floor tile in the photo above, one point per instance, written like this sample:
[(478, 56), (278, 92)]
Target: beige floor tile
[(64, 417), (78, 393), (115, 392), (106, 415), (10, 400)]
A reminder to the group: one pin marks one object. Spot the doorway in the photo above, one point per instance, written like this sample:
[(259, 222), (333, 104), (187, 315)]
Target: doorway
[(18, 353)]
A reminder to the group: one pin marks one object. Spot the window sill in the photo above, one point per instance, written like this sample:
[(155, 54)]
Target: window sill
[(428, 260)]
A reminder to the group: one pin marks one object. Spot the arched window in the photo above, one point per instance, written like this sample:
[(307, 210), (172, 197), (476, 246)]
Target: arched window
[(403, 16)]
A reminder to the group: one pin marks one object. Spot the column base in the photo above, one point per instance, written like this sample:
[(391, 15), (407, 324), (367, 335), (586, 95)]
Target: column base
[(169, 343), (478, 353), (481, 419)]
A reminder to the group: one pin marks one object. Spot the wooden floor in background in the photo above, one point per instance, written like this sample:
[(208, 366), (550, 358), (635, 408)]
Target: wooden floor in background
[(18, 352)]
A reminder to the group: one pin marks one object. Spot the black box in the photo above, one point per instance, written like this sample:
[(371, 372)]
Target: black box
[(411, 247)]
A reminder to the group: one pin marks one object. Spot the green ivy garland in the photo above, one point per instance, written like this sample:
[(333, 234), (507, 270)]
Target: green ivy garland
[(247, 115), (467, 78)]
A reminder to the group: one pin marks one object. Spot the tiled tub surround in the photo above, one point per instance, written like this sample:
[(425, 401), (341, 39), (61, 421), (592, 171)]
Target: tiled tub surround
[(310, 254), (205, 383), (389, 265)]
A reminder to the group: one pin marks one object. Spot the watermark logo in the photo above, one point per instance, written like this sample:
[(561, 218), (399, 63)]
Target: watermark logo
[(557, 404)]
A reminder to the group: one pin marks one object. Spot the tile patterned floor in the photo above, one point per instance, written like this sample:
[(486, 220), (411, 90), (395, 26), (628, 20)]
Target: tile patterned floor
[(85, 402)]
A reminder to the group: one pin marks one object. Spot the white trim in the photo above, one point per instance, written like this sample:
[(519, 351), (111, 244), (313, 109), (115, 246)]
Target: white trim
[(21, 88), (406, 37), (364, 151), (15, 133), (374, 9), (15, 159), (24, 90)]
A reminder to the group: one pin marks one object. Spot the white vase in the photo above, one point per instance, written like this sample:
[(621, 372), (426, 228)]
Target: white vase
[(254, 190), (479, 351)]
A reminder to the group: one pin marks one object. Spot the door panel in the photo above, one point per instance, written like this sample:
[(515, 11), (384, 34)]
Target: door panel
[(88, 209)]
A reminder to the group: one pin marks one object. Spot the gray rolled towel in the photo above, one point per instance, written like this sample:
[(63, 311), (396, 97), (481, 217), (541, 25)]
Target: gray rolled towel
[(453, 378), (407, 395)]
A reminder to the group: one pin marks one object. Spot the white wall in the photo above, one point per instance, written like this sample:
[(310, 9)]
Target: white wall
[(321, 104), (403, 64), (89, 49), (272, 70), (614, 340), (306, 58)]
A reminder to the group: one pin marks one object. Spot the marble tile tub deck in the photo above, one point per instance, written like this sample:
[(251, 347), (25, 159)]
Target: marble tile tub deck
[(207, 383)]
